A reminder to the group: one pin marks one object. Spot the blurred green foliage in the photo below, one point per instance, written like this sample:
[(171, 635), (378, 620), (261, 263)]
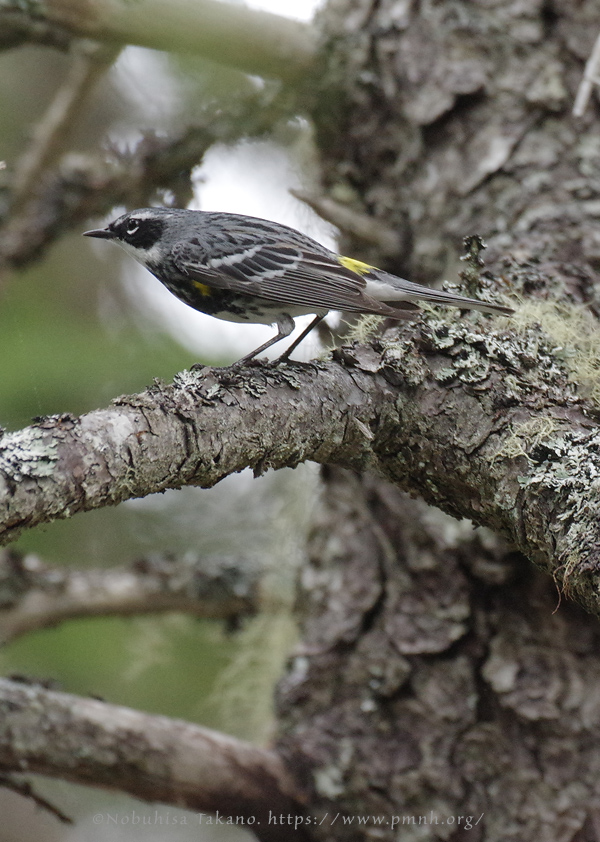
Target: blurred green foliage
[(58, 355), (71, 340)]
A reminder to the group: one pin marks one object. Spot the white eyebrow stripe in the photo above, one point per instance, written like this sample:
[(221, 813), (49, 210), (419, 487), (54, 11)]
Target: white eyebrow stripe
[(144, 214)]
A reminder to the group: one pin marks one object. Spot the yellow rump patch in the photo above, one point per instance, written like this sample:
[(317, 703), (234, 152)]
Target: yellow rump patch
[(356, 265), (202, 288)]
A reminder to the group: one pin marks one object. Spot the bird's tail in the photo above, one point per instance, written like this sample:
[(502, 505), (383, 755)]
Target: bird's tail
[(392, 291)]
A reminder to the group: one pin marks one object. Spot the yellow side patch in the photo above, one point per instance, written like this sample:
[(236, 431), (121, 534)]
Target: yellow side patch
[(356, 265), (202, 288)]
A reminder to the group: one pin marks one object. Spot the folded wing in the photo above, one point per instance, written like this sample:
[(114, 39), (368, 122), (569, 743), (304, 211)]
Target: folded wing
[(286, 273)]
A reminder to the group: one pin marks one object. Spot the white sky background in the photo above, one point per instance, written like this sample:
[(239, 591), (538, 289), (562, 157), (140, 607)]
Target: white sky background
[(300, 9), (252, 178)]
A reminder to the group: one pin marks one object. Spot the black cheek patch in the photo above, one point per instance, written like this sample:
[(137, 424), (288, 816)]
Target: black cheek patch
[(147, 234)]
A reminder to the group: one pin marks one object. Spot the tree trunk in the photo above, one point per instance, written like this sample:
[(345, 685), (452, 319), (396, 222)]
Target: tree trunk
[(444, 688)]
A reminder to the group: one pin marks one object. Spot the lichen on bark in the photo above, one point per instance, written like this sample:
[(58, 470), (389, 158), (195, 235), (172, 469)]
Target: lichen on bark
[(456, 121)]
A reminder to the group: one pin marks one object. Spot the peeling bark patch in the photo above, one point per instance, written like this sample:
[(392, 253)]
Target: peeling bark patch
[(418, 620)]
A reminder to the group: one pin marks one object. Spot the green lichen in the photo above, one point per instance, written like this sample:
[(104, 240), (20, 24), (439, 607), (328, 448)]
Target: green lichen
[(570, 474), (28, 453), (445, 376), (364, 329), (526, 437), (187, 379), (571, 464), (527, 358), (576, 337), (402, 357)]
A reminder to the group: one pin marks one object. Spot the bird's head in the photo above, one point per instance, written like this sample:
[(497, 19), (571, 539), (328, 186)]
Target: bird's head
[(139, 232)]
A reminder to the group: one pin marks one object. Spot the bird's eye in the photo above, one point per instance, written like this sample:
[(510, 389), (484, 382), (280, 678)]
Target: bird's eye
[(132, 226)]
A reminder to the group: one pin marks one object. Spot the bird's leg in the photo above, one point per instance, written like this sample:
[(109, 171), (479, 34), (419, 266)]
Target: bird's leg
[(286, 354), (285, 326)]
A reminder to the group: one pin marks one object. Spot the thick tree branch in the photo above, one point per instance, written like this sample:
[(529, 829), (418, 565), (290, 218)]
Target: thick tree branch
[(35, 596), (484, 423), (253, 41), (150, 757)]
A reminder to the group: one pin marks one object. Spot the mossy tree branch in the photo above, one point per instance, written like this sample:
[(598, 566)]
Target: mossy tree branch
[(483, 422)]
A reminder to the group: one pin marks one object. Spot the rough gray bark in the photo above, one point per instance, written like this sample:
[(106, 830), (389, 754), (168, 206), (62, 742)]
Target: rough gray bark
[(456, 118), (443, 684), (437, 682)]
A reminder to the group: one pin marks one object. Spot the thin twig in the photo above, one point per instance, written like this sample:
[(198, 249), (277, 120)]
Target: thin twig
[(591, 78), (25, 789), (353, 222), (90, 61)]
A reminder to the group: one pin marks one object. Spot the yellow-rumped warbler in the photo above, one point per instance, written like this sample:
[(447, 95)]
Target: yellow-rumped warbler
[(244, 269)]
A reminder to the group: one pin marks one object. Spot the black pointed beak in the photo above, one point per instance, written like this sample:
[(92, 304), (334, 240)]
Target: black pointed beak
[(101, 233)]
